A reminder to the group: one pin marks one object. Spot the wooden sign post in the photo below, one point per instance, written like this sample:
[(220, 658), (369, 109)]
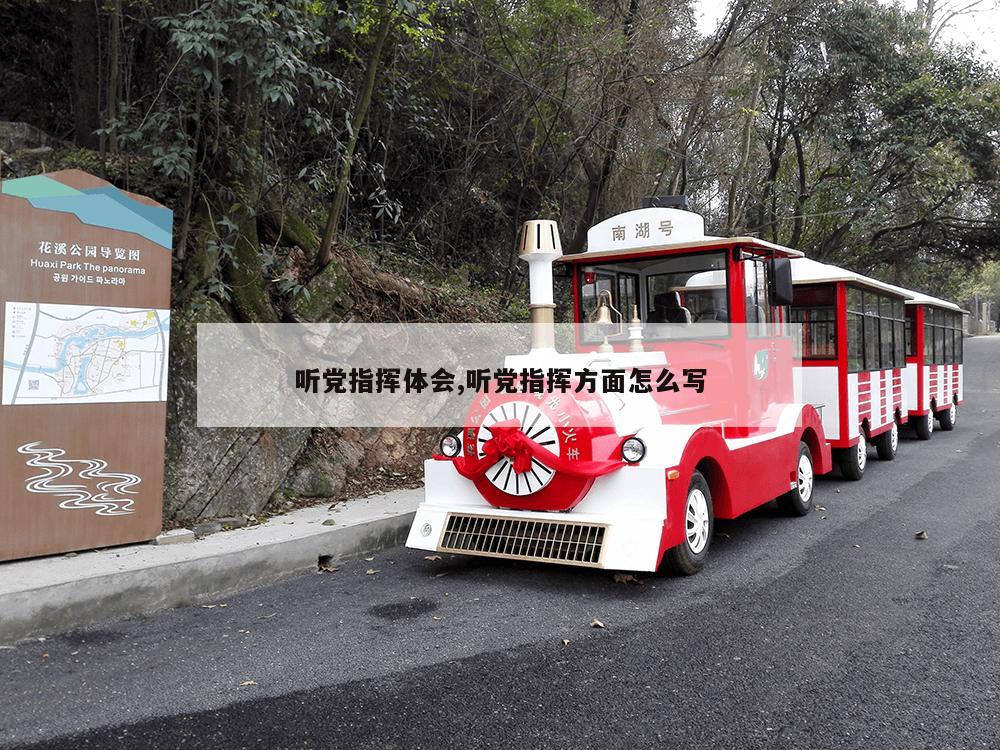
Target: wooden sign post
[(85, 320)]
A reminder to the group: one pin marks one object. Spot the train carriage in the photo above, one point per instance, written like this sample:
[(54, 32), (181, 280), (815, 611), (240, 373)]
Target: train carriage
[(933, 379), (627, 480), (852, 348)]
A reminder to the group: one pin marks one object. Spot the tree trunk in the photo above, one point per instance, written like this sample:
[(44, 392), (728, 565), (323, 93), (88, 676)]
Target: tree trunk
[(243, 173), (113, 77), (597, 183), (85, 73), (803, 196), (357, 122), (734, 215)]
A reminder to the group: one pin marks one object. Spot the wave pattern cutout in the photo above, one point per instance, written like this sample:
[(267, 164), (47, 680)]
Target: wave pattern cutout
[(102, 491)]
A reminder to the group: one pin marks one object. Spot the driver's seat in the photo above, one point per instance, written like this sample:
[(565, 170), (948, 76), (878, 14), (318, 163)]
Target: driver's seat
[(667, 308)]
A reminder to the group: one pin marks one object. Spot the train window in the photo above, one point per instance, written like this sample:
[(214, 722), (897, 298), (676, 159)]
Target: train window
[(928, 337), (876, 331), (871, 343), (818, 331), (855, 342), (689, 291), (854, 300), (911, 331), (628, 293), (897, 311), (942, 336), (855, 330), (594, 284), (759, 314), (814, 310), (888, 349)]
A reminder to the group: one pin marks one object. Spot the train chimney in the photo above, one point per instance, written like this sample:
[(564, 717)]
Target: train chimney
[(539, 247)]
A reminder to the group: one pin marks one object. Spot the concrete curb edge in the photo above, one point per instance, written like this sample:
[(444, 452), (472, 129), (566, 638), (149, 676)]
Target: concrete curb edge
[(69, 604)]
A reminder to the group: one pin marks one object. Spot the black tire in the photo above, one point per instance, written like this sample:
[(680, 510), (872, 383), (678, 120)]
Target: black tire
[(798, 502), (923, 426), (888, 443), (947, 418), (854, 460), (684, 559)]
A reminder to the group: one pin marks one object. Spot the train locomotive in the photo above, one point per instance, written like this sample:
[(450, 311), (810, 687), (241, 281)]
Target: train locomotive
[(629, 481)]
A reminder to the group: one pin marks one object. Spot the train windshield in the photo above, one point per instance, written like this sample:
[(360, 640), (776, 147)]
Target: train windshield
[(679, 296)]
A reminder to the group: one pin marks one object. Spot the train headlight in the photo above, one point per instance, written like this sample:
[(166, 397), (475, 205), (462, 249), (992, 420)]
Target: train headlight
[(451, 446), (633, 450)]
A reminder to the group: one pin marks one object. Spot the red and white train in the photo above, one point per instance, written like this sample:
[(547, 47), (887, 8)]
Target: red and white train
[(933, 379), (853, 358), (630, 480)]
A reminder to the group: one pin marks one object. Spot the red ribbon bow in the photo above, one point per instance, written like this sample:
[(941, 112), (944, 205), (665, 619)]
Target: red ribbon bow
[(509, 441)]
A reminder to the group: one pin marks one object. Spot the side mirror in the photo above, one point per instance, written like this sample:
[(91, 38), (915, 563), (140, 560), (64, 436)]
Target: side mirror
[(779, 273)]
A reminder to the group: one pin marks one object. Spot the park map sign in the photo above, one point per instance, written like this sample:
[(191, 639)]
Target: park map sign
[(85, 319)]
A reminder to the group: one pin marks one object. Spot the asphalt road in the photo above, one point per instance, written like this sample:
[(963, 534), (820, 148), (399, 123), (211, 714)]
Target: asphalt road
[(838, 630)]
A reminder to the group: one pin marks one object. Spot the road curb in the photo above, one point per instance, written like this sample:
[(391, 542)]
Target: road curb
[(57, 594)]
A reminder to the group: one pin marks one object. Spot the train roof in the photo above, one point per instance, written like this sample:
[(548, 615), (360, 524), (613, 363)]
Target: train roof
[(919, 298), (654, 231), (707, 243), (809, 271)]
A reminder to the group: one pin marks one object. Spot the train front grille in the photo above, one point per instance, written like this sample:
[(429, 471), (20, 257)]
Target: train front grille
[(567, 542)]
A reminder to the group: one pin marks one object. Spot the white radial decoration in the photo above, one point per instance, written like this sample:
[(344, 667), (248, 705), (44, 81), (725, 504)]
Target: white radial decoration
[(537, 426)]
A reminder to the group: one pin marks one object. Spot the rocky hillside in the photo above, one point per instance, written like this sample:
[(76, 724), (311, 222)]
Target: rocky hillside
[(226, 472)]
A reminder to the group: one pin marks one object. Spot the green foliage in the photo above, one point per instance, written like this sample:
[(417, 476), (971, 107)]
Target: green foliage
[(834, 125), (895, 140)]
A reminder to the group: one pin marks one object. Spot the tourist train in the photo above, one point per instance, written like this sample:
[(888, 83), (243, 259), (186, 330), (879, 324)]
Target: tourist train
[(804, 366), (932, 381), (852, 359)]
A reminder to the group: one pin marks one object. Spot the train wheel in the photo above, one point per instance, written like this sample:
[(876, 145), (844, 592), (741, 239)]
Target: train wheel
[(854, 460), (798, 502), (924, 426), (688, 557), (888, 443), (948, 417)]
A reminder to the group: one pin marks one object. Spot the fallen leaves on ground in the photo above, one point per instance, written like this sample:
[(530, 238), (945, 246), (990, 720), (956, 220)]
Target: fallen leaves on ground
[(565, 641), (370, 572), (920, 535), (329, 522), (432, 558), (627, 578), (247, 683), (595, 623), (328, 567)]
